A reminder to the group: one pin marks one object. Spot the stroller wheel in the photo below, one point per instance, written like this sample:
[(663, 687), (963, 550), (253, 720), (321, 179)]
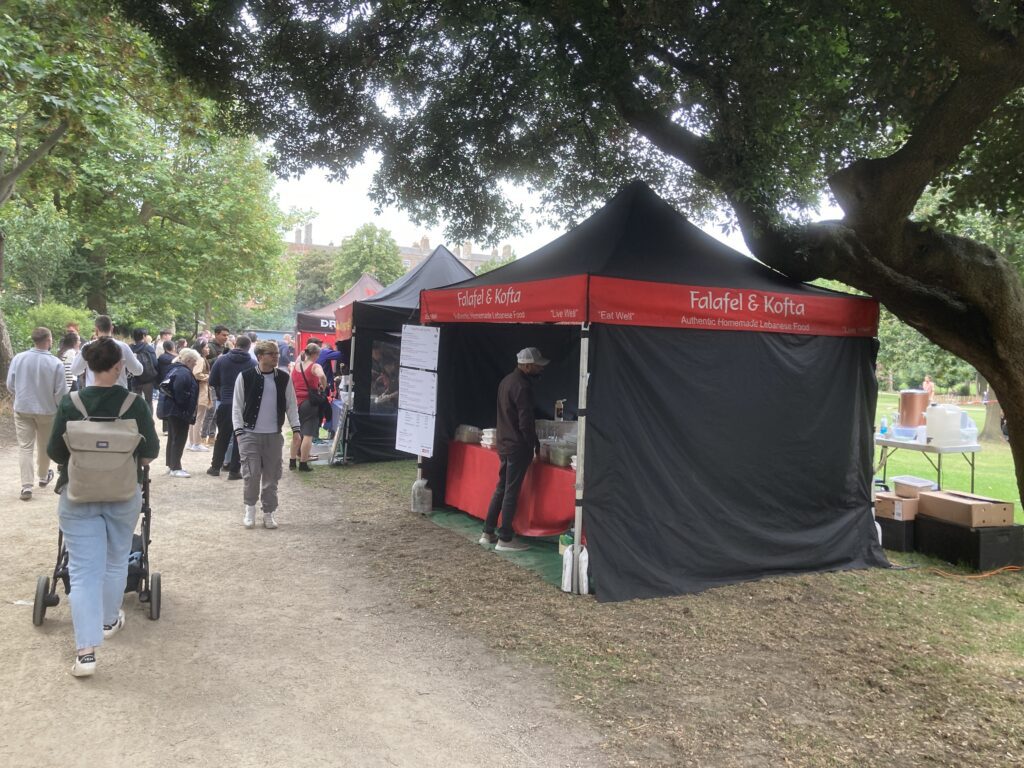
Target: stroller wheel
[(154, 596), (39, 606)]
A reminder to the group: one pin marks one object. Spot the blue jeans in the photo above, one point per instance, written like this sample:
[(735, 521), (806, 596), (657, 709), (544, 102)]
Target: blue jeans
[(98, 536)]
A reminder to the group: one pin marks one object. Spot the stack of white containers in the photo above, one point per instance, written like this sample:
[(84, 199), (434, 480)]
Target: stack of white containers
[(488, 438)]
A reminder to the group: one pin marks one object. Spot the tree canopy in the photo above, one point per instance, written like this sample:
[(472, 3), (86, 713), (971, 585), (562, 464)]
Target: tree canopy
[(370, 250), (758, 105), (119, 191)]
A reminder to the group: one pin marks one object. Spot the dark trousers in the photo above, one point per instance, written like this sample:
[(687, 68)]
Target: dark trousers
[(225, 437), (506, 494), (177, 437), (145, 391)]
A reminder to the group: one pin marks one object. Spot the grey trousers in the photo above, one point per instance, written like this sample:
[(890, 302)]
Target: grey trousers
[(261, 467)]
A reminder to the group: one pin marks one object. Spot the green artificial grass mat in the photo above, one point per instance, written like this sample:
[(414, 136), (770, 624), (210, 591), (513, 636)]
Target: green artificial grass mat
[(542, 557)]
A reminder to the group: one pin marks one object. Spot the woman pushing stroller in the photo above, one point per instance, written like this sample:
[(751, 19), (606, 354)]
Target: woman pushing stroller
[(98, 534)]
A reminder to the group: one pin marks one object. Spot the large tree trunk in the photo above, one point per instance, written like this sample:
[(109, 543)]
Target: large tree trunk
[(6, 355), (992, 431), (6, 351)]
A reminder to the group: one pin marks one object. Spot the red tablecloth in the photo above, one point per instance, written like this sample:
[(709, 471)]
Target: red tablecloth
[(546, 501)]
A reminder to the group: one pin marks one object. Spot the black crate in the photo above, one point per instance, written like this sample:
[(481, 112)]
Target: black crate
[(897, 535), (983, 549)]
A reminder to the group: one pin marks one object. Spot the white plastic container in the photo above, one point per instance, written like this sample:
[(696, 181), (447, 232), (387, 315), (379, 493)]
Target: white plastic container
[(908, 486), (943, 424), (584, 571), (567, 570)]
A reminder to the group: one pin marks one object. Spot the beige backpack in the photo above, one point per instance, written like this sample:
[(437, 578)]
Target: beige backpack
[(102, 466)]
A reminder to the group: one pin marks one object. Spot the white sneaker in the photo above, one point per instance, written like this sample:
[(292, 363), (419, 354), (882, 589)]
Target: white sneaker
[(191, 447), (269, 521), (201, 448), (249, 521), (515, 544), (179, 473), (113, 629), (85, 665)]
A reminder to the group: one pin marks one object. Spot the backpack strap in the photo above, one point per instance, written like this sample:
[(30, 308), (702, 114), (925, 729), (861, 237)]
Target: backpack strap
[(126, 404), (76, 400)]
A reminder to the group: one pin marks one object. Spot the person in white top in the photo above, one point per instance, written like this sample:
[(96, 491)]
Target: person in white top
[(36, 380), (262, 398), (105, 327)]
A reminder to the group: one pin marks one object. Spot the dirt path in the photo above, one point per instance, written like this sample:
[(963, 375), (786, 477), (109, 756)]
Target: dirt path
[(273, 648)]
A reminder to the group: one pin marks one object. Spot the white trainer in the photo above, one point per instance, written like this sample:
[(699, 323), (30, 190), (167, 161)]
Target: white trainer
[(249, 521), (110, 630), (85, 665), (179, 473), (269, 521)]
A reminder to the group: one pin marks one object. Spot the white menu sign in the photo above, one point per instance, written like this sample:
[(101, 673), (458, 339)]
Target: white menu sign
[(415, 433), (418, 391), (419, 347)]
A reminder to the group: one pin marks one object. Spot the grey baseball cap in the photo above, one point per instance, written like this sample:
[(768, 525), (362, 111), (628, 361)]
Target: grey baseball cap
[(531, 355)]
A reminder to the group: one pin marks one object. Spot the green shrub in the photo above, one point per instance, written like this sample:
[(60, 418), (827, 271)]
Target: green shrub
[(53, 316)]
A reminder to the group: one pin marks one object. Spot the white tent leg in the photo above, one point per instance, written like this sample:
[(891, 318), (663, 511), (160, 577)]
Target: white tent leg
[(581, 441)]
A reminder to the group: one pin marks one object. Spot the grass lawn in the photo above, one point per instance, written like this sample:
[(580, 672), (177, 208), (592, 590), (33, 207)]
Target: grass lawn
[(994, 471)]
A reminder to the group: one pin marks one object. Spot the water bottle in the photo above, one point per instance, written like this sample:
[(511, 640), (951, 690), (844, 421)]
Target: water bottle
[(884, 428)]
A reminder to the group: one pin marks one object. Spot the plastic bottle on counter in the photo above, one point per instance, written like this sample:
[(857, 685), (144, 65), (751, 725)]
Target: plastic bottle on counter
[(884, 428), (559, 410)]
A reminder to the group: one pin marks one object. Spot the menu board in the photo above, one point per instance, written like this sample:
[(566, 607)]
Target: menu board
[(415, 433), (417, 397), (418, 391), (419, 347)]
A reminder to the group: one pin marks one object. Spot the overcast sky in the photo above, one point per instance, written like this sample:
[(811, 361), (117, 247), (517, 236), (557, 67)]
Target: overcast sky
[(343, 207)]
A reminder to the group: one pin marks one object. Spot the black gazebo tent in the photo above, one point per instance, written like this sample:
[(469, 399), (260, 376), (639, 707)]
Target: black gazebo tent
[(378, 321), (725, 410)]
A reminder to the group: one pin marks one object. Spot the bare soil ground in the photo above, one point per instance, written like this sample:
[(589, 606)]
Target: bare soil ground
[(360, 634), (277, 647)]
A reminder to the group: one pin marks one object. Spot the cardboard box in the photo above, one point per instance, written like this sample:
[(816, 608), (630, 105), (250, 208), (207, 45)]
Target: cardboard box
[(983, 549), (889, 506), (908, 486), (965, 509)]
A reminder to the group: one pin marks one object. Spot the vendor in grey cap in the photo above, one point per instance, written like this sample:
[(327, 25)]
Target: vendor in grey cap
[(517, 444)]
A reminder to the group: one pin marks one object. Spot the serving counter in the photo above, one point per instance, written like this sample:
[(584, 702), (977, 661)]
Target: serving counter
[(546, 501)]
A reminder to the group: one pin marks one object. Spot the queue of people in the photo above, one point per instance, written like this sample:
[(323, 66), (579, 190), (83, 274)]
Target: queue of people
[(222, 390)]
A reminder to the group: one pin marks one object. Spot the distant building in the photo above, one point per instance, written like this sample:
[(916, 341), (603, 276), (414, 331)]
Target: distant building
[(410, 255), (413, 254), (303, 243)]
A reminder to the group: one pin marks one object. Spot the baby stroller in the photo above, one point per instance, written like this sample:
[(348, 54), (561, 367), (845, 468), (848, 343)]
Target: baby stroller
[(139, 580)]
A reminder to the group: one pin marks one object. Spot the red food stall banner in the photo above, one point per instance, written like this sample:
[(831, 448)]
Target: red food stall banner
[(343, 322), (669, 305), (559, 300)]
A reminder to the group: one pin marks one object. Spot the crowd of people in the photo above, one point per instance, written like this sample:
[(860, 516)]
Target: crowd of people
[(224, 394)]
